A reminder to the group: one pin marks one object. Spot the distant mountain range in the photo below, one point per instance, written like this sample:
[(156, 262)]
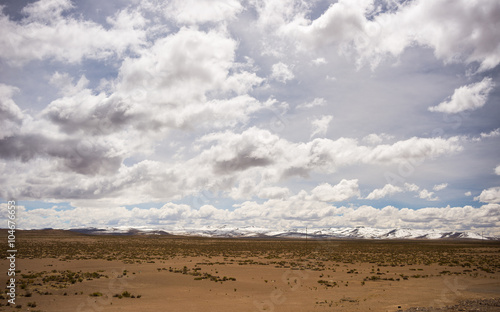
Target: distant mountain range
[(256, 232)]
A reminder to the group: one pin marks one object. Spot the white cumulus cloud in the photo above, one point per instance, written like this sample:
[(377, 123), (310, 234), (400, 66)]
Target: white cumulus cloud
[(46, 34), (202, 11), (425, 194), (387, 190), (282, 72), (375, 139), (343, 191), (470, 97), (355, 27), (11, 115), (320, 126), (492, 134), (439, 187), (273, 214), (411, 187), (491, 195), (317, 102)]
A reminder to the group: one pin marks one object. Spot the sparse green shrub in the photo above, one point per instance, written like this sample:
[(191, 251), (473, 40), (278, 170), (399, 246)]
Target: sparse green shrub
[(126, 294)]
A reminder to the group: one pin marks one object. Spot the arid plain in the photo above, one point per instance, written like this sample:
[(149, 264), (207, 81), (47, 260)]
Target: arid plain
[(66, 271)]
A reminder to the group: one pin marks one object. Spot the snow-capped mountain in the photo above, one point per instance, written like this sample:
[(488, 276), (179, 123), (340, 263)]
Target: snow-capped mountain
[(256, 232)]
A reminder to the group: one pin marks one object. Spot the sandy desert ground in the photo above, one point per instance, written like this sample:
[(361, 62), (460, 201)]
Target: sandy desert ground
[(65, 271)]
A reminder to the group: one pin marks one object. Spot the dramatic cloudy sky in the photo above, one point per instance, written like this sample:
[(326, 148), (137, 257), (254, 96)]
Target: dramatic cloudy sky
[(273, 113)]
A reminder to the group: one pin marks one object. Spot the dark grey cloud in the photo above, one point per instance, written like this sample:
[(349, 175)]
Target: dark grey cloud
[(22, 148), (296, 171), (242, 161), (80, 156), (105, 118)]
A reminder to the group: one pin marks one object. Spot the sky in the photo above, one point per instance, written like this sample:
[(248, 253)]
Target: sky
[(277, 113)]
